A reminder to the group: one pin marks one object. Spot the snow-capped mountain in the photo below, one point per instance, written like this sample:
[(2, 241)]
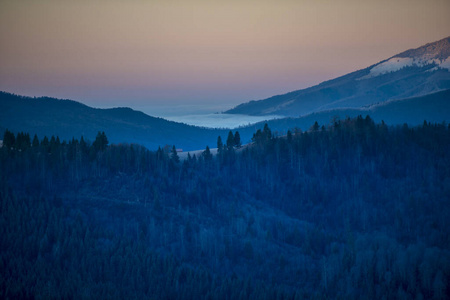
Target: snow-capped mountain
[(415, 72), (433, 56)]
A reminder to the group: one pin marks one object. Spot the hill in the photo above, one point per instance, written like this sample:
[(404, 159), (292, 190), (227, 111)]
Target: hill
[(415, 72), (68, 119), (413, 111)]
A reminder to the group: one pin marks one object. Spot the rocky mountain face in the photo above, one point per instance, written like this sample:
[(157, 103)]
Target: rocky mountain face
[(438, 50), (412, 73)]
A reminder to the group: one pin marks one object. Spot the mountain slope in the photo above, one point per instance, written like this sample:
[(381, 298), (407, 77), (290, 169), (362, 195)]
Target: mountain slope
[(67, 119), (415, 72), (434, 108)]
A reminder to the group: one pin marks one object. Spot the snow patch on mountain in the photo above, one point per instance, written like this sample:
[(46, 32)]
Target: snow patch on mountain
[(445, 64), (397, 63)]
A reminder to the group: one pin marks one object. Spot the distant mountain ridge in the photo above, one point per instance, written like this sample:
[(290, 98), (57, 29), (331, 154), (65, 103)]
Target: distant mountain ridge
[(415, 72), (433, 108), (68, 119)]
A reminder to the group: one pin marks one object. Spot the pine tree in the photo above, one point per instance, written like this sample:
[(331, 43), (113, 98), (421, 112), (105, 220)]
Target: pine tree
[(230, 141), (35, 143), (174, 156), (101, 141), (8, 139), (207, 154), (267, 132), (219, 144), (315, 127), (237, 139), (22, 141)]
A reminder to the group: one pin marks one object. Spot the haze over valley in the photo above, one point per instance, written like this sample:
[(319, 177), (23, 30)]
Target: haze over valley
[(225, 149), (408, 93)]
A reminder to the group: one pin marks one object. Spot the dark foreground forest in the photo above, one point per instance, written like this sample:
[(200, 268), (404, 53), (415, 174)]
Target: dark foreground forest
[(354, 210)]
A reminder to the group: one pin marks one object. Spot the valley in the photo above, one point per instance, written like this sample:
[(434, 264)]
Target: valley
[(337, 191)]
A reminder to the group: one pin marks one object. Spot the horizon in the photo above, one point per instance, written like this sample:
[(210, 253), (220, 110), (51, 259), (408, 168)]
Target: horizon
[(208, 56)]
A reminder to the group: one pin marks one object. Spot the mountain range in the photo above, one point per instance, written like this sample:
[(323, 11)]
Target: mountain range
[(410, 87), (67, 119), (415, 72)]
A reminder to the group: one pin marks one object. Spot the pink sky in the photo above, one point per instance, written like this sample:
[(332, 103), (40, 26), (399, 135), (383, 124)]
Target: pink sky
[(141, 53)]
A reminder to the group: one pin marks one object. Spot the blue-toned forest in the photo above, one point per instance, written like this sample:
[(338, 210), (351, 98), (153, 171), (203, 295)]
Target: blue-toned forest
[(353, 210)]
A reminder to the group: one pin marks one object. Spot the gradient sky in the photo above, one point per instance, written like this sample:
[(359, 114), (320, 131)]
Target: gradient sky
[(216, 53)]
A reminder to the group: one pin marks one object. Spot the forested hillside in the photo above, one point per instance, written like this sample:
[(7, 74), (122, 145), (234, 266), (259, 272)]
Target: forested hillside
[(68, 119), (349, 211), (412, 111)]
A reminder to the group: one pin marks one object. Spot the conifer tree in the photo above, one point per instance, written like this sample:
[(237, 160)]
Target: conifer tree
[(174, 156), (22, 141), (101, 141), (207, 154), (315, 127), (35, 143), (230, 140), (8, 139), (267, 132), (237, 139), (219, 144)]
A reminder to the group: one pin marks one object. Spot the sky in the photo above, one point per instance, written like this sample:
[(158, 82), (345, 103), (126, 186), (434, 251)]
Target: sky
[(200, 55)]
